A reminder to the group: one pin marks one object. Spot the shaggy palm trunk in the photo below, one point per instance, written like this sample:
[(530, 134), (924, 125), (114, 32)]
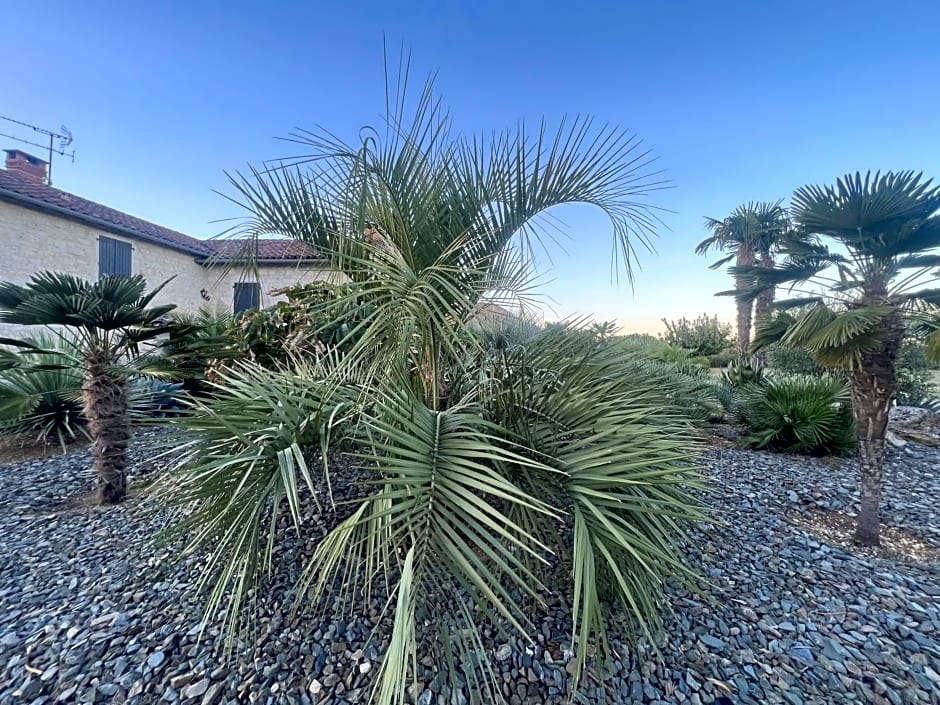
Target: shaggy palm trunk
[(105, 400), (874, 387), (766, 298), (745, 258)]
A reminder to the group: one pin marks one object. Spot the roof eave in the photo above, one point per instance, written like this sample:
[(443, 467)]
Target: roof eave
[(36, 204), (291, 261)]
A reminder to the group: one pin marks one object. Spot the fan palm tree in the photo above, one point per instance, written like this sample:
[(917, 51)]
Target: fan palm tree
[(878, 238), (749, 235), (484, 471), (110, 318)]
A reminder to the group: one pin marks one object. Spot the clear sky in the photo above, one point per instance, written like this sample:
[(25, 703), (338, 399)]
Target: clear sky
[(740, 101)]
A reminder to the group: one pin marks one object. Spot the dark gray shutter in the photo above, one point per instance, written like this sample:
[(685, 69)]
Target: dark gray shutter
[(247, 296), (114, 257)]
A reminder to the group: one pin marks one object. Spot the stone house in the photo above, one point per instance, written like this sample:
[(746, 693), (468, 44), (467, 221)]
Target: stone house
[(44, 228)]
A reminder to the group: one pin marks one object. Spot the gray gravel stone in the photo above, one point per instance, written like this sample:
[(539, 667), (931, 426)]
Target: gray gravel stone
[(100, 615)]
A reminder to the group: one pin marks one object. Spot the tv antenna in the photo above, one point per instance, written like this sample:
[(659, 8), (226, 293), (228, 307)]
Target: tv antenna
[(64, 135)]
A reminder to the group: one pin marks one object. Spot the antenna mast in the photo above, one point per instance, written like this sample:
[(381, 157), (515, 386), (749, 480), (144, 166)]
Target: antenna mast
[(64, 136)]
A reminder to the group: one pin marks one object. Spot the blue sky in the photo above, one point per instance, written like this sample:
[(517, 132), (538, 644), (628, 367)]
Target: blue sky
[(739, 100)]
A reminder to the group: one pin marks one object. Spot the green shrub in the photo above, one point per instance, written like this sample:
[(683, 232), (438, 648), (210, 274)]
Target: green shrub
[(722, 359), (315, 318), (690, 386), (915, 379), (702, 336), (727, 398), (44, 402), (661, 351), (805, 414), (790, 361)]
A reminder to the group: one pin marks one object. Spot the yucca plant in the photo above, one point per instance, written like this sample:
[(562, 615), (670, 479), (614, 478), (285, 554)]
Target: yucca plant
[(43, 398), (809, 415), (109, 320), (743, 372), (483, 467), (866, 275)]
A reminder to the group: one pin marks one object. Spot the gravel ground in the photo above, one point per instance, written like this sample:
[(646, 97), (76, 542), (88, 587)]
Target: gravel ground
[(90, 613)]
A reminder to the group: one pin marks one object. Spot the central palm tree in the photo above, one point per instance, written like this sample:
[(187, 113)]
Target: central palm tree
[(485, 474), (863, 282), (750, 235), (110, 319)]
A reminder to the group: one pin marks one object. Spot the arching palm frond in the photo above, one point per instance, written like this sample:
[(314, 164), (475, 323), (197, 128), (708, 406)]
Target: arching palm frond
[(483, 471), (420, 188)]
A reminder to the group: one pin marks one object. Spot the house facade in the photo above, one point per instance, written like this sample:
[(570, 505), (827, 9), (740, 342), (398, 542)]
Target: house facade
[(44, 228)]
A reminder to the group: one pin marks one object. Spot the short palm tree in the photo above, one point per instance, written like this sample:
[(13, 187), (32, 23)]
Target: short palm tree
[(877, 242), (110, 319), (486, 473), (750, 235)]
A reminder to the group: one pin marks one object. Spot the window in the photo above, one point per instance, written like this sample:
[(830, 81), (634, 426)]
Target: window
[(247, 296), (114, 257)]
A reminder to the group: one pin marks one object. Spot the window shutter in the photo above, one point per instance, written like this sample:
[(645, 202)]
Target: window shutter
[(114, 257), (247, 295)]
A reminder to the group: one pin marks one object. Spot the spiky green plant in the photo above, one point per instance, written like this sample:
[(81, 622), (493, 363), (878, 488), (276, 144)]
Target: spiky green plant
[(43, 399), (482, 466), (743, 372), (809, 415)]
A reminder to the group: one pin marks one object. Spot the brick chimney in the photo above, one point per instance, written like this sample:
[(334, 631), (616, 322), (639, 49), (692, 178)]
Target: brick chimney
[(27, 166)]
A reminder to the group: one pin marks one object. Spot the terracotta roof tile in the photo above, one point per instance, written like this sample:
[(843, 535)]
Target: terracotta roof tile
[(266, 249)]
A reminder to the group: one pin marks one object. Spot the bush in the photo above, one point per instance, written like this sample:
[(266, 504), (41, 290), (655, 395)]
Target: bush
[(154, 399), (702, 336), (46, 402), (722, 359), (727, 398), (691, 389), (810, 415), (315, 318), (660, 351), (915, 379), (790, 361)]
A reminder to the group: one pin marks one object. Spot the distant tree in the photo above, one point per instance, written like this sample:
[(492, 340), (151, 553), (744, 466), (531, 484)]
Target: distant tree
[(750, 235), (702, 336)]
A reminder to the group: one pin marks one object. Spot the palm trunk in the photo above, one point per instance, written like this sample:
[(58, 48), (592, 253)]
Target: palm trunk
[(763, 302), (766, 298), (105, 399), (745, 259), (874, 386)]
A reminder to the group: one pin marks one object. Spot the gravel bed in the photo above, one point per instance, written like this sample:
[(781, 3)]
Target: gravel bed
[(89, 612)]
